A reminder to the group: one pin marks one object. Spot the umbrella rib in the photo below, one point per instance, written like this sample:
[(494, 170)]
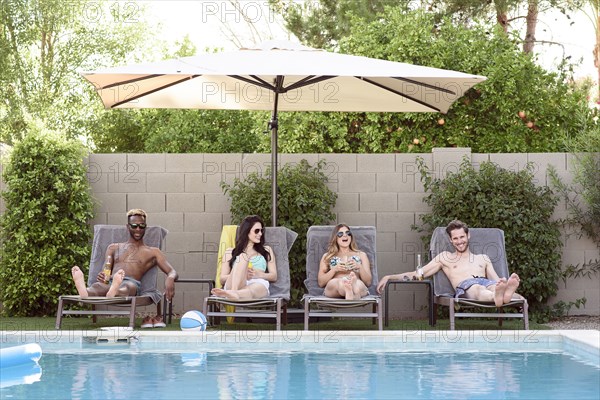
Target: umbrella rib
[(309, 80), (153, 91), (131, 81), (258, 82), (439, 89), (398, 93)]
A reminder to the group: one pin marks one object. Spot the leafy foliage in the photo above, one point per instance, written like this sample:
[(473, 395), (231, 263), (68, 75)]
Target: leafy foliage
[(498, 198), (486, 119), (304, 199), (43, 45), (44, 228)]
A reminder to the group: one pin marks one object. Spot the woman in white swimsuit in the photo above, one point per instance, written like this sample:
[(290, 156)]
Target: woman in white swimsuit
[(344, 271), (248, 268)]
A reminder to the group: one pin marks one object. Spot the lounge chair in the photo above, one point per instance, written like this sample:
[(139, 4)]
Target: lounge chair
[(489, 241), (318, 305), (105, 235), (275, 305)]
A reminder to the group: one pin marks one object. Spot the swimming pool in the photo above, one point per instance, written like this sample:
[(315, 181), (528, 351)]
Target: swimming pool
[(315, 364)]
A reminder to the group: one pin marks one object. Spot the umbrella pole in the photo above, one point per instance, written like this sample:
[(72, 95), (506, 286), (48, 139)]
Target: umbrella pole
[(273, 126)]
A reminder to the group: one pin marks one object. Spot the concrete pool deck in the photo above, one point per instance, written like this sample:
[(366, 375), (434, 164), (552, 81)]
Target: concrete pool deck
[(585, 342)]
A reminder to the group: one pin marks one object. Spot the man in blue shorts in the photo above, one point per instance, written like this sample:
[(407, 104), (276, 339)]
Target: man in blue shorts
[(472, 275)]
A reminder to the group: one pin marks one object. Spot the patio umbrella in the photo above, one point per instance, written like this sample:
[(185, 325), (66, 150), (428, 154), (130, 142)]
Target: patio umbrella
[(281, 76)]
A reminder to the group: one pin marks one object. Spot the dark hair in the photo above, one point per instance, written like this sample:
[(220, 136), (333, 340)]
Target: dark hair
[(241, 240), (456, 224)]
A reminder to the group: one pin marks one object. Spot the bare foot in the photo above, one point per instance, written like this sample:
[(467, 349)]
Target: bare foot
[(229, 294), (116, 282), (79, 280), (349, 295), (511, 287), (499, 292), (349, 284)]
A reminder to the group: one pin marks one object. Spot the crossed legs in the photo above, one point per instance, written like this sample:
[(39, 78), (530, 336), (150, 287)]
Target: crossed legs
[(117, 287), (236, 289)]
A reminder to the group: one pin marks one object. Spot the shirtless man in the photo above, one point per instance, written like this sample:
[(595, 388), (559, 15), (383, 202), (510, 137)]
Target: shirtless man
[(472, 275), (131, 260)]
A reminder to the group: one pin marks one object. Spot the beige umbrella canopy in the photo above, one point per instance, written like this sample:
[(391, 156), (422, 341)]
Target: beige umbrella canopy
[(281, 76)]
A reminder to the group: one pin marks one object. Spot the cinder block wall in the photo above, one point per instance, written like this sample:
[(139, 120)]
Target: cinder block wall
[(182, 193)]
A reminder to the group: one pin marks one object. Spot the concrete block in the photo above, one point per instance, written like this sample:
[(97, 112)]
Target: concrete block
[(357, 219), (146, 162), (149, 202), (394, 221), (255, 163), (177, 262), (202, 222), (541, 163), (223, 166), (201, 265), (591, 255), (171, 221), (119, 218), (388, 263), (211, 183), (412, 202), (165, 182), (183, 242), (513, 162), (346, 202), (216, 203), (98, 182), (185, 202), (294, 159), (211, 241), (99, 219), (110, 163), (400, 300), (448, 160), (592, 304), (406, 165), (574, 243), (376, 162), (386, 241), (395, 182), (127, 183), (378, 201), (189, 162), (111, 202), (339, 163), (357, 182), (477, 159)]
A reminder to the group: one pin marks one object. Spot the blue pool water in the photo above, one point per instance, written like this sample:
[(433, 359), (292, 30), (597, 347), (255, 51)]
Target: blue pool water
[(175, 371)]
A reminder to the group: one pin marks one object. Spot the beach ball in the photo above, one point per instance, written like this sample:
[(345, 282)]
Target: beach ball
[(193, 321)]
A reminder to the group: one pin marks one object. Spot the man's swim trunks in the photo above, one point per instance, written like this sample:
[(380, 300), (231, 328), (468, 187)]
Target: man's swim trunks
[(467, 283)]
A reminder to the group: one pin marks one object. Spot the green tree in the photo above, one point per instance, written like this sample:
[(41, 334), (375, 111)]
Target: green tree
[(44, 43), (487, 118), (44, 230), (322, 23)]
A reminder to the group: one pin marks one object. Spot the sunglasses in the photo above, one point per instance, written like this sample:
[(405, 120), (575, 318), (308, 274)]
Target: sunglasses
[(347, 233), (258, 230), (135, 226)]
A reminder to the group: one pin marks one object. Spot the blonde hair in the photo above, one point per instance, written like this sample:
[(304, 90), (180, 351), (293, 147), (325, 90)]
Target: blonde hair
[(136, 211), (333, 248)]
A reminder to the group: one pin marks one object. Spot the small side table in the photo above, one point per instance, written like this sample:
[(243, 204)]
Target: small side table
[(209, 282), (427, 282)]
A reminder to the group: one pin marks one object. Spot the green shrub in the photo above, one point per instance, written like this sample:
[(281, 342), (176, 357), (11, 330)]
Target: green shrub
[(44, 229), (498, 198), (304, 199)]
